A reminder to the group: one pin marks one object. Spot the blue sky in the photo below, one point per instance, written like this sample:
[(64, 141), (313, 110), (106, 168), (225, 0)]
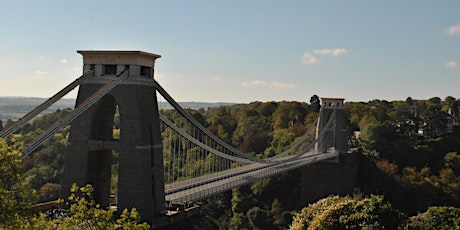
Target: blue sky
[(242, 51)]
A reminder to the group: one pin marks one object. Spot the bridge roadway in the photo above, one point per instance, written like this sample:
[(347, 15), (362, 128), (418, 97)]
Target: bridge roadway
[(196, 189)]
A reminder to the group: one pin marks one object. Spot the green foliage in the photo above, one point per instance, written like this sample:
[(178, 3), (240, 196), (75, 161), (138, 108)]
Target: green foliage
[(263, 205), (15, 196), (238, 221), (282, 139), (315, 104), (44, 168), (437, 218), (252, 133), (241, 199), (217, 209), (16, 199), (426, 167), (380, 137), (130, 220), (281, 218), (349, 213), (84, 213), (258, 218), (452, 161), (222, 122), (49, 191)]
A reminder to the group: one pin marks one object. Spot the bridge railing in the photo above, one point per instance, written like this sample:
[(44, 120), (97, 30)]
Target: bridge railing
[(213, 187), (205, 185)]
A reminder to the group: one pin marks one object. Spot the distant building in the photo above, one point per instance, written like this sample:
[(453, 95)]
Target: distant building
[(449, 123), (432, 130)]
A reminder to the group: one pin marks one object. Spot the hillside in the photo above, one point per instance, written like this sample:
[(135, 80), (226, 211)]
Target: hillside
[(15, 107), (409, 153)]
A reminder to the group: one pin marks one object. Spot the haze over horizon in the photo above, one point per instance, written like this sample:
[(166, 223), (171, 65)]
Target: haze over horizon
[(242, 51)]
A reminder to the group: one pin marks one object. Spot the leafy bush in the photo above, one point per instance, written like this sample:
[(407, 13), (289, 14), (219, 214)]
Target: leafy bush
[(437, 218), (337, 212)]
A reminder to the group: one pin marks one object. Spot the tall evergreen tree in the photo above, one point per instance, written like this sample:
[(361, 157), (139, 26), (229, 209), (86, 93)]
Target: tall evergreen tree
[(315, 103)]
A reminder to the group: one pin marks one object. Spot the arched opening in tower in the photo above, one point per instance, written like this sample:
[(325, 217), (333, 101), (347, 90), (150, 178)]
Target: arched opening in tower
[(103, 160), (116, 125), (103, 119)]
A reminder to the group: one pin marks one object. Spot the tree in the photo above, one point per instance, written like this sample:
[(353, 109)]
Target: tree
[(377, 136), (281, 218), (404, 118), (281, 122), (252, 133), (238, 221), (315, 104), (452, 161), (435, 118), (259, 219), (16, 200), (435, 101), (86, 214), (409, 101), (49, 192), (241, 199), (8, 123), (437, 218), (280, 142), (452, 106), (222, 122), (15, 196), (337, 212)]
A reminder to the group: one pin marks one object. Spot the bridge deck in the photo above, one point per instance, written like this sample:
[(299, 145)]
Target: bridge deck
[(215, 185)]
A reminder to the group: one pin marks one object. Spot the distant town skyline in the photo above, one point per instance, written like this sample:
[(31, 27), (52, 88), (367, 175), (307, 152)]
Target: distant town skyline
[(242, 51)]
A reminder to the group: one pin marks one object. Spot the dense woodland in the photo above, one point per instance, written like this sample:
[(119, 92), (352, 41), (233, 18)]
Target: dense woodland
[(411, 148)]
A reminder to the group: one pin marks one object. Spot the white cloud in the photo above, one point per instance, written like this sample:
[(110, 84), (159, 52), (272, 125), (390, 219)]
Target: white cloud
[(273, 85), (281, 86), (39, 74), (159, 76), (309, 59), (454, 30), (332, 52), (216, 78), (63, 61), (451, 64), (254, 84)]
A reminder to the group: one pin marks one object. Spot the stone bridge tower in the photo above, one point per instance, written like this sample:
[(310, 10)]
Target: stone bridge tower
[(335, 136), (339, 176), (90, 157)]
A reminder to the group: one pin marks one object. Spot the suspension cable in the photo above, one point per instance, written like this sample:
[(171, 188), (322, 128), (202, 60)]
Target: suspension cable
[(26, 118), (75, 113), (201, 127), (199, 143)]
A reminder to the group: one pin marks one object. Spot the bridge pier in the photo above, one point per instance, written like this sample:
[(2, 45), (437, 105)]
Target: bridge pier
[(89, 160), (333, 177), (325, 178)]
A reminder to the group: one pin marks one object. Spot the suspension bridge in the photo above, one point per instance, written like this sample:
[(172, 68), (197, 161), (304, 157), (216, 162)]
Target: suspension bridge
[(163, 158)]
